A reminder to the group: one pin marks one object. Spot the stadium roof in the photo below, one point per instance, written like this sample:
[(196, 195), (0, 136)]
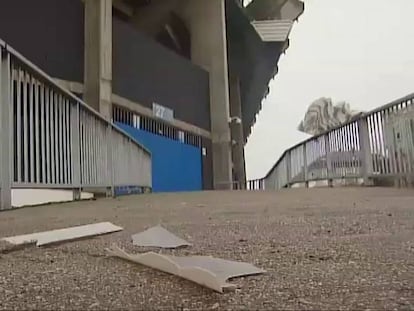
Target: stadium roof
[(257, 36)]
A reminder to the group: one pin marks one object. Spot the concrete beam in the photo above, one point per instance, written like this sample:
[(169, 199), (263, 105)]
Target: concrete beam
[(207, 24), (98, 55), (138, 108)]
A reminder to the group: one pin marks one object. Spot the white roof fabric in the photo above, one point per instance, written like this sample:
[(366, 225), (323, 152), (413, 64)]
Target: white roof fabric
[(323, 115)]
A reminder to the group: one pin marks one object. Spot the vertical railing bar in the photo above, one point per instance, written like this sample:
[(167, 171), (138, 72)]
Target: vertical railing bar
[(350, 164), (31, 130), (83, 149), (100, 153), (69, 141), (348, 151), (89, 146), (352, 168), (343, 154), (374, 144), (332, 148), (381, 141), (52, 135), (18, 157), (76, 147), (25, 129), (355, 149), (62, 138), (391, 139), (94, 151), (57, 138), (48, 133), (42, 132), (332, 153), (13, 108), (387, 163), (378, 138), (37, 127), (65, 142)]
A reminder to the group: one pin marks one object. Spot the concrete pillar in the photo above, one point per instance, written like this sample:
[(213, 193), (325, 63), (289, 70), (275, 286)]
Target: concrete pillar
[(98, 55), (6, 132), (237, 133), (209, 50)]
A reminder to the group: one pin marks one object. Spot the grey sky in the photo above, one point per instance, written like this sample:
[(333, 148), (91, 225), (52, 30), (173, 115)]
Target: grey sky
[(360, 51)]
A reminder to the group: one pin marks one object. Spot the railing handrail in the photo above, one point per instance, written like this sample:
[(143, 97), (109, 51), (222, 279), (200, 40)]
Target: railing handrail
[(50, 80), (360, 117)]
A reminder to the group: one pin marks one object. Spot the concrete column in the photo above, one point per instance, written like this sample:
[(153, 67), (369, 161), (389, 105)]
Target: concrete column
[(209, 50), (98, 55), (6, 132), (237, 133)]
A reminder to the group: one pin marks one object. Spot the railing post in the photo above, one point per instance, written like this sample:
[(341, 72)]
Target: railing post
[(329, 172), (288, 168), (110, 191), (305, 166), (6, 131), (365, 151), (76, 152)]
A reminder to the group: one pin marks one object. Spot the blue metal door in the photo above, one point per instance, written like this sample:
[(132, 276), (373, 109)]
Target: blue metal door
[(175, 166)]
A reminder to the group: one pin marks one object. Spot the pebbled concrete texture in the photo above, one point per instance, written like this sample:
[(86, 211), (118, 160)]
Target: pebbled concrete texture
[(323, 249)]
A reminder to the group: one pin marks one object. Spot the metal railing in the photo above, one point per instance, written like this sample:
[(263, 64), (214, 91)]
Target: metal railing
[(377, 146), (52, 140)]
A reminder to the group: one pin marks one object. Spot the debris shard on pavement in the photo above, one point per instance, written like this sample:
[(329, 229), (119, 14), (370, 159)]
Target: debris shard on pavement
[(207, 271), (158, 237), (62, 235)]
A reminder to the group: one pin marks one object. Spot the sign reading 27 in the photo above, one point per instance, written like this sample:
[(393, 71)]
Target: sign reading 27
[(162, 112)]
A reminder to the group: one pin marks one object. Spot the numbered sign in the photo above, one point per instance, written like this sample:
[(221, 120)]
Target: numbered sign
[(162, 112)]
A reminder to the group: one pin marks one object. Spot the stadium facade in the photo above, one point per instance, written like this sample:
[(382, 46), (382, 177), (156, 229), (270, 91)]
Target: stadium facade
[(186, 78)]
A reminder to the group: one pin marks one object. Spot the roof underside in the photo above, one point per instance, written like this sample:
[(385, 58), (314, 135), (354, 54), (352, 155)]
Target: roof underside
[(273, 30), (275, 9), (254, 49)]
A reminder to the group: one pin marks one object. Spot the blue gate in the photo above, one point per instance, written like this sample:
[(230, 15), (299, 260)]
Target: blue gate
[(175, 166)]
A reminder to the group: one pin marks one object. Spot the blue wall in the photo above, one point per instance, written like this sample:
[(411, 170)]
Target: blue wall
[(175, 166)]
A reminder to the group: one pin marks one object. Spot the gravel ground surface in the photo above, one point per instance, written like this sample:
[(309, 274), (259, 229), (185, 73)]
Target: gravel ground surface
[(324, 249)]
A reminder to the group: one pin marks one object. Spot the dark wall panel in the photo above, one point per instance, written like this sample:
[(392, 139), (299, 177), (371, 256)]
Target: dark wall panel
[(207, 164), (50, 33), (146, 72)]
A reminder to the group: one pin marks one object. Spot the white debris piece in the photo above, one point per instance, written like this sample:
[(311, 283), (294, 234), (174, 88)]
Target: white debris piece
[(204, 270), (158, 237), (61, 235)]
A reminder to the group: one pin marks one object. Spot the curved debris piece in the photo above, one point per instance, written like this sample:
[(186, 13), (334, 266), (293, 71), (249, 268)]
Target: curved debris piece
[(207, 271), (62, 235), (158, 237)]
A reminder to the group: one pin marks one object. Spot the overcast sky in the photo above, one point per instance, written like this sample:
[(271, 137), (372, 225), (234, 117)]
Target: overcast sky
[(360, 51)]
